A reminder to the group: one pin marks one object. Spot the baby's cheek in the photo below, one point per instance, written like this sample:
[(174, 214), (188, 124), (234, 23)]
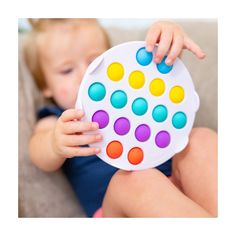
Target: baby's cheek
[(63, 92), (67, 96)]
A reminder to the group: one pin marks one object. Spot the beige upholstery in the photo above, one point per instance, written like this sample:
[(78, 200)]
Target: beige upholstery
[(49, 194)]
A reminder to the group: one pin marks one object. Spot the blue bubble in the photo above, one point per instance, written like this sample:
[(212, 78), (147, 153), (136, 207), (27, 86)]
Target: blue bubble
[(97, 91), (159, 113), (143, 57), (139, 106), (118, 99), (179, 120), (163, 68)]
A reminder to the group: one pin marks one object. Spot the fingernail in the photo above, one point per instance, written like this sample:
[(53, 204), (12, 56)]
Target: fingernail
[(149, 48), (80, 111), (168, 61), (95, 125), (98, 137), (157, 59), (97, 150)]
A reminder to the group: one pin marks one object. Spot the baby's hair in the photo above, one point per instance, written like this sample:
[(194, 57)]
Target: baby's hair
[(39, 26)]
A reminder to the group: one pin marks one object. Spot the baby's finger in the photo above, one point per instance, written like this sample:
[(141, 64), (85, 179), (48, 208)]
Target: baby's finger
[(176, 48), (76, 140), (164, 45), (193, 47), (152, 37), (71, 114), (81, 151), (72, 127)]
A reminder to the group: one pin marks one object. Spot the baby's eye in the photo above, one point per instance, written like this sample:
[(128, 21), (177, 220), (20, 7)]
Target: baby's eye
[(67, 71)]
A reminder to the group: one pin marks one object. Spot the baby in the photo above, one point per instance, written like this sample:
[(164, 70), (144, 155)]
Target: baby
[(58, 53)]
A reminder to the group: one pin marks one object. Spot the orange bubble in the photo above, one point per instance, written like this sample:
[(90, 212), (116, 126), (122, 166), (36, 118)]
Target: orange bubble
[(114, 149), (135, 155)]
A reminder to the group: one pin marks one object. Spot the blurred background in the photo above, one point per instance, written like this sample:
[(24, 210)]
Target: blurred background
[(124, 23)]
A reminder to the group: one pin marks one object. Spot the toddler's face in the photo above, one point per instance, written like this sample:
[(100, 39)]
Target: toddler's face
[(65, 53)]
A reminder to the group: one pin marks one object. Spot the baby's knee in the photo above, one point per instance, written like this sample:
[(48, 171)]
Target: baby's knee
[(202, 137), (125, 183), (202, 146), (134, 179), (202, 143), (126, 187)]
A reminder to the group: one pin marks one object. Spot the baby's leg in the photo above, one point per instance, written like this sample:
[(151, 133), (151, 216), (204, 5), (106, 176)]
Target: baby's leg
[(147, 193), (195, 169)]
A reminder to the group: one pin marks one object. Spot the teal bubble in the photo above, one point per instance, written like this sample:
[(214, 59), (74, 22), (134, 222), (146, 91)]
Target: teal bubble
[(163, 68), (139, 106), (118, 99), (143, 57), (97, 91), (179, 120), (159, 113)]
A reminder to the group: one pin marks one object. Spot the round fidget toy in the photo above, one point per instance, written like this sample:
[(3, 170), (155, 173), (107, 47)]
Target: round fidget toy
[(145, 110)]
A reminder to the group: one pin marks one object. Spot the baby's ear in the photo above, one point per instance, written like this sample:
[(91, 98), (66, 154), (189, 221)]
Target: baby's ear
[(47, 93)]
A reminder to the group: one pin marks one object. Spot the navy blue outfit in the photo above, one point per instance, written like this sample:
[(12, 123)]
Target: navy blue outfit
[(89, 175)]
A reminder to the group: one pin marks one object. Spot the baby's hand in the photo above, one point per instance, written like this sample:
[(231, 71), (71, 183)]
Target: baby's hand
[(68, 135), (171, 38)]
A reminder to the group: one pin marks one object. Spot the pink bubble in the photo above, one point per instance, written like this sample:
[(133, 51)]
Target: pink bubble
[(122, 126), (102, 118), (162, 139), (142, 133)]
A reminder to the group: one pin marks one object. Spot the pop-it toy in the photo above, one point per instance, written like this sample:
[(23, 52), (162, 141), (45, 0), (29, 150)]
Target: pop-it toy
[(145, 110)]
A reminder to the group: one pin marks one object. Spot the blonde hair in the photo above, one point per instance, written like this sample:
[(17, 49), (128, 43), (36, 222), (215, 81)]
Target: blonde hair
[(31, 53)]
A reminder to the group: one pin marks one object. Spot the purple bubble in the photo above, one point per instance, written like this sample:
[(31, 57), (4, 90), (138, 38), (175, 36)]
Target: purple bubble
[(142, 133), (122, 126), (102, 118), (162, 139)]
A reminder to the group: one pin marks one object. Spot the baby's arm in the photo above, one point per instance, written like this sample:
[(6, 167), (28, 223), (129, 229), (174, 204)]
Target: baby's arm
[(54, 140), (171, 38)]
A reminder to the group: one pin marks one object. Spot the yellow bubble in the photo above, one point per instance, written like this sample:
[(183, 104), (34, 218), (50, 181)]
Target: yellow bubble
[(136, 79), (157, 87), (115, 71), (176, 94)]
